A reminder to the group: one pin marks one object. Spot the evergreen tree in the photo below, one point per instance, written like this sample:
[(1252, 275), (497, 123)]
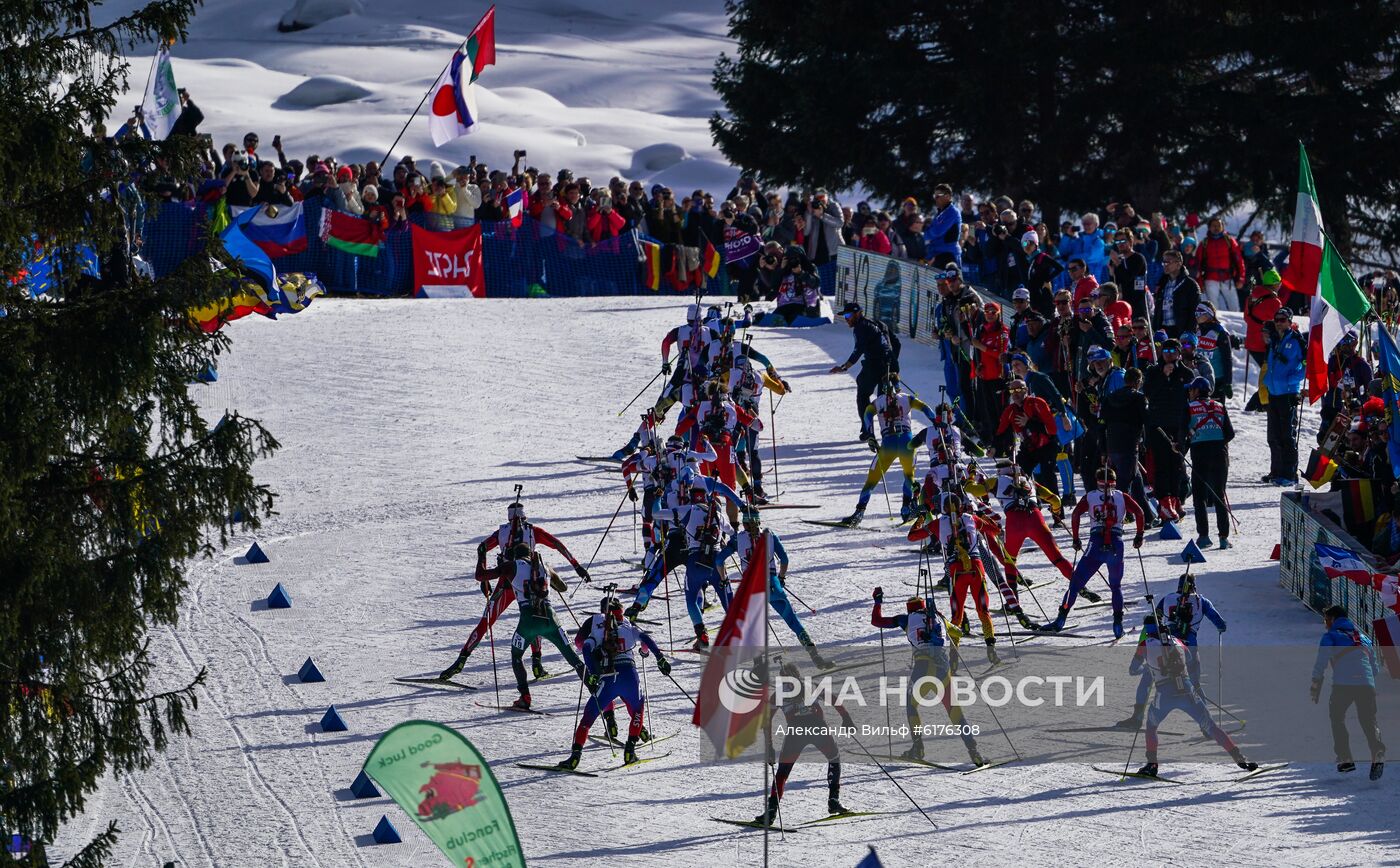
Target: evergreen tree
[(1075, 104), (110, 479)]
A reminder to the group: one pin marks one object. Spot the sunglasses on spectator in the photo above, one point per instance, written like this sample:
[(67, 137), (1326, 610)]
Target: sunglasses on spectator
[(1074, 268), (1139, 328)]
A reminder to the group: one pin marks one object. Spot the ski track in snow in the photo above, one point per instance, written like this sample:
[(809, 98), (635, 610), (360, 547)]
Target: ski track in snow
[(405, 424)]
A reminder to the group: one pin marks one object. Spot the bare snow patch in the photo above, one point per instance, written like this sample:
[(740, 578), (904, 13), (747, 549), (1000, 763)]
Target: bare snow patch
[(322, 90)]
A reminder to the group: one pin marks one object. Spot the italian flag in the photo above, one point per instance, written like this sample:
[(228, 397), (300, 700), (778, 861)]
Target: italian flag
[(1315, 268)]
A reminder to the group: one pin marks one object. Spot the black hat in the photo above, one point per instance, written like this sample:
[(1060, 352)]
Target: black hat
[(851, 307)]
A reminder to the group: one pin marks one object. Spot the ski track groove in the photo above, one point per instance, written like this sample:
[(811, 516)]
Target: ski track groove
[(256, 775), (137, 801)]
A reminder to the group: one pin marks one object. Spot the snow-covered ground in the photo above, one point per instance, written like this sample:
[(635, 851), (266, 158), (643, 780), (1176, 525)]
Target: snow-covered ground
[(405, 425), (603, 89)]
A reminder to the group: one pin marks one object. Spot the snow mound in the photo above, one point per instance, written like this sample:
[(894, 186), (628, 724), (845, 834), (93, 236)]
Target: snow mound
[(656, 158), (322, 90), (309, 13)]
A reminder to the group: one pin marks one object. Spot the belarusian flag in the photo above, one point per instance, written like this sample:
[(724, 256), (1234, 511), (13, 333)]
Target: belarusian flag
[(350, 234), (1316, 269), (452, 110)]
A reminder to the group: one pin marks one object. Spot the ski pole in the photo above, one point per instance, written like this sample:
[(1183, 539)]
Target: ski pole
[(1004, 733), (639, 394), (793, 594), (634, 527), (605, 533), (495, 679), (884, 678), (895, 782), (568, 608), (773, 433), (1219, 672), (683, 691)]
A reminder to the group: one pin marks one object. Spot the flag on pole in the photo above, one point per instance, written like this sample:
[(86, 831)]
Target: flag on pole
[(515, 207), (712, 260), (871, 860), (453, 104), (1387, 633), (1315, 268), (1389, 370), (733, 700), (651, 265), (160, 105), (1340, 563)]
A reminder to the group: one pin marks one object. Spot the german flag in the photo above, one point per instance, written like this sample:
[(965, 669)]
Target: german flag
[(1360, 506), (651, 265), (1320, 469), (711, 261)]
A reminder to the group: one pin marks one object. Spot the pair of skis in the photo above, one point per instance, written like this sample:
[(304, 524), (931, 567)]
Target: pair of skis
[(831, 818), (557, 769), (1122, 774)]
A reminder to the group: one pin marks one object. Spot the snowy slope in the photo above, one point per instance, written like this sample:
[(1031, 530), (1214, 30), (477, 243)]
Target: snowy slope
[(620, 88), (405, 425)]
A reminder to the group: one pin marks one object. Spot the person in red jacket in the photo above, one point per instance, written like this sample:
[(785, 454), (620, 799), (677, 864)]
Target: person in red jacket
[(1029, 420), (1222, 267), (872, 239), (991, 341), (1259, 312), (604, 222)]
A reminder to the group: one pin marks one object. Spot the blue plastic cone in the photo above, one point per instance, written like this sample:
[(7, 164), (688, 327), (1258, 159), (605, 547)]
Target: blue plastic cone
[(331, 721), (1169, 531), (385, 833), (256, 555), (1192, 554), (309, 673), (279, 598), (363, 787)]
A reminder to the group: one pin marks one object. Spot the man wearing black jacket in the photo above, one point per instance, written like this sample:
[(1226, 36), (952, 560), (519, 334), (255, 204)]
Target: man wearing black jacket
[(1041, 272), (1177, 296), (877, 348), (1167, 417), (1125, 418), (1129, 272)]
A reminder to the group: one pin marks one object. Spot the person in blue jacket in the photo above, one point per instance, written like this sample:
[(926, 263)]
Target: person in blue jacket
[(943, 234), (1286, 358), (1352, 657)]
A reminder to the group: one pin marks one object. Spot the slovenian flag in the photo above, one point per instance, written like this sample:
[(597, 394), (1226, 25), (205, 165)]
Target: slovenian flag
[(453, 104), (278, 230), (515, 207)]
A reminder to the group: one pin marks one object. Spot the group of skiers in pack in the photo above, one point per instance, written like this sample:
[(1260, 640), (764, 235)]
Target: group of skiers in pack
[(701, 495)]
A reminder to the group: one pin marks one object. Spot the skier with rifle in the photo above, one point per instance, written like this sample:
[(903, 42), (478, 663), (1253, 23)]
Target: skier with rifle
[(612, 677), (807, 726), (1107, 508), (957, 531), (923, 627), (1182, 613), (1163, 657), (894, 409), (742, 544), (515, 532), (530, 581)]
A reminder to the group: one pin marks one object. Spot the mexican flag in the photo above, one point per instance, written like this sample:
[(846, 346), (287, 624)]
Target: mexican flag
[(350, 234), (1315, 268)]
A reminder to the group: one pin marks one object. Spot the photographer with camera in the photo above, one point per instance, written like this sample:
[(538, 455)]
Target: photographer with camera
[(243, 186), (768, 278), (824, 223), (272, 187)]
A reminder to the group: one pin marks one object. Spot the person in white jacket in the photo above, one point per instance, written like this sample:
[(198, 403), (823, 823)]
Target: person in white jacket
[(468, 194)]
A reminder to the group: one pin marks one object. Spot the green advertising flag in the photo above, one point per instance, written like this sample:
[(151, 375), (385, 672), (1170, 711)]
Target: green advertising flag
[(442, 782)]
